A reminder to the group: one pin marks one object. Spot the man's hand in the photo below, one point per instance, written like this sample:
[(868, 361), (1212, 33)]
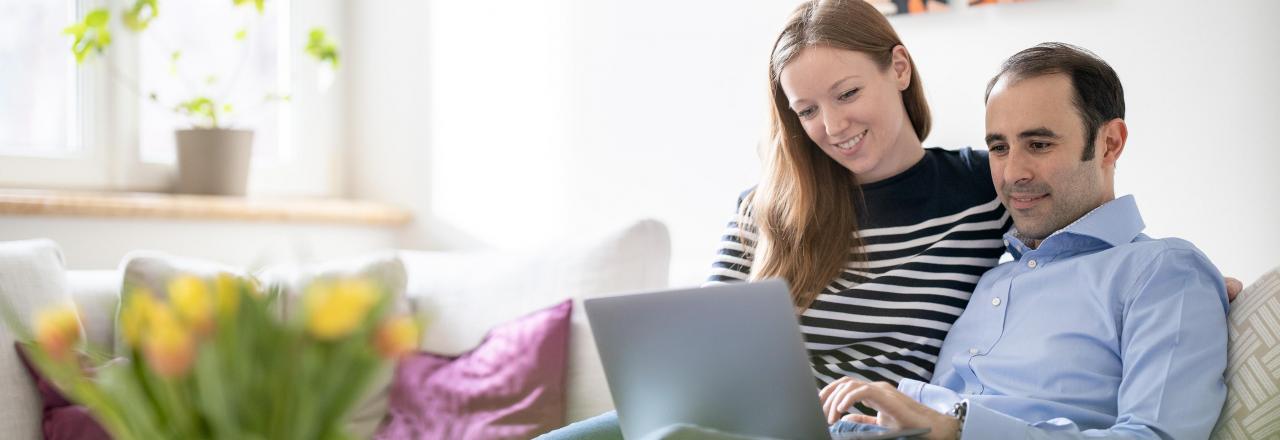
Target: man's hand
[(1234, 287), (896, 410)]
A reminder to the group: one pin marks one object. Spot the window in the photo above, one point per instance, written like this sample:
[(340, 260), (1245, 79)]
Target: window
[(108, 123), (38, 99)]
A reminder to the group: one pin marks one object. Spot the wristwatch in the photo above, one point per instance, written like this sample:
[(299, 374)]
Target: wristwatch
[(959, 412)]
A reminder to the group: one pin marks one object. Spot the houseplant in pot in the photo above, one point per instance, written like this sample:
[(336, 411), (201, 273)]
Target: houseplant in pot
[(229, 57)]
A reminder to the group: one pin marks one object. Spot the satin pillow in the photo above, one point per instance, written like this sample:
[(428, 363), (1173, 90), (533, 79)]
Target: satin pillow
[(512, 386)]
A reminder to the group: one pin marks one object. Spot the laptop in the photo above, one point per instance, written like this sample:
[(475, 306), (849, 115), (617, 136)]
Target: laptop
[(729, 358)]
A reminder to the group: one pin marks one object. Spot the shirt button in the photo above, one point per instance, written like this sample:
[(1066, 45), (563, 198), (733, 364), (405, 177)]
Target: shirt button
[(973, 352), (995, 301), (1031, 264)]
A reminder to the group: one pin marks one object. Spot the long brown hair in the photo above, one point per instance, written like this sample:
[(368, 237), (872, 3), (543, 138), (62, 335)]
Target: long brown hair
[(804, 205)]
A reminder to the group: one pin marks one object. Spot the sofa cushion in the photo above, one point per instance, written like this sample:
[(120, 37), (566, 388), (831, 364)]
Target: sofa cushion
[(1252, 409), (510, 387), (32, 278), (97, 296), (461, 295)]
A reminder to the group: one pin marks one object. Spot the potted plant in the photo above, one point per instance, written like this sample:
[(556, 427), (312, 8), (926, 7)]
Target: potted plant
[(212, 157)]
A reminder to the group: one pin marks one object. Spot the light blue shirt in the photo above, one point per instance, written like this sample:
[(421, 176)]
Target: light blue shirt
[(1100, 332)]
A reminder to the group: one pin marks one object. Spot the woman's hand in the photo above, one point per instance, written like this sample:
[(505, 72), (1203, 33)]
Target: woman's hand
[(896, 410)]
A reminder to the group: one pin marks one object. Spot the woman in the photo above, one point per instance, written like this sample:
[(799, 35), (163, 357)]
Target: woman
[(881, 240)]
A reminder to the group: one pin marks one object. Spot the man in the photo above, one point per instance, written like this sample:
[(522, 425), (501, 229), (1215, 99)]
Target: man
[(1094, 329)]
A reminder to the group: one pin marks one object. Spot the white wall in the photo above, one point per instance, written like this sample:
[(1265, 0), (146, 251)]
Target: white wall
[(1200, 90), (503, 123)]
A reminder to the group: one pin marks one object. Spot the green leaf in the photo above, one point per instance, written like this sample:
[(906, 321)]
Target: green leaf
[(133, 16), (272, 97), (321, 47), (97, 18), (259, 4), (90, 35), (173, 62), (200, 108)]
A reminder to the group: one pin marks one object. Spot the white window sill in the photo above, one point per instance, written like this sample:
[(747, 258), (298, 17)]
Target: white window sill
[(182, 206)]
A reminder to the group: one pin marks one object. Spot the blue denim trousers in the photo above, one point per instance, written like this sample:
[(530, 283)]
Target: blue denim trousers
[(605, 427)]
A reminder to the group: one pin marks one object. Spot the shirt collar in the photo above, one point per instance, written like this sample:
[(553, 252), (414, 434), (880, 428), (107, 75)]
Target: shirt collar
[(1115, 223)]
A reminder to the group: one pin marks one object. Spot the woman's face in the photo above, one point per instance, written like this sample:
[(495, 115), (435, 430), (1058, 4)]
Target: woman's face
[(853, 109)]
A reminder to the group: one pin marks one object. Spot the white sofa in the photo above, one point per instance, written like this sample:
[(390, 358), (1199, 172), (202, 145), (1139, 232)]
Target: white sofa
[(463, 294)]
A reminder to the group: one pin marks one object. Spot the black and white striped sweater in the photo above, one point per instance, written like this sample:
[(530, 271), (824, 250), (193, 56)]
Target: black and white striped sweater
[(929, 234)]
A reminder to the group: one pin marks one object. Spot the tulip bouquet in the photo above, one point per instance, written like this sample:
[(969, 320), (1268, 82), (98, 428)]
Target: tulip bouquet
[(214, 359)]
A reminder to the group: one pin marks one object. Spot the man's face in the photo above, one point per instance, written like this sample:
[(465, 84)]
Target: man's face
[(1036, 137)]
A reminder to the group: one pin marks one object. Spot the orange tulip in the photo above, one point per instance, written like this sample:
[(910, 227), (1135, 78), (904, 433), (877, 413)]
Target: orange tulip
[(396, 337), (169, 347), (58, 330)]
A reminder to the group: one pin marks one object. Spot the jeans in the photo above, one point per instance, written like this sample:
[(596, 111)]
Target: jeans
[(605, 427)]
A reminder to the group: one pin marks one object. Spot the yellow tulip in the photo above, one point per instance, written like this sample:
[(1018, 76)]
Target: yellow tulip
[(58, 330), (168, 346), (133, 318), (396, 337), (335, 309), (228, 293), (190, 296)]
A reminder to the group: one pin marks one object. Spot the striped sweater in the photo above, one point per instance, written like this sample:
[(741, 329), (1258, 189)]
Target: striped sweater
[(929, 234)]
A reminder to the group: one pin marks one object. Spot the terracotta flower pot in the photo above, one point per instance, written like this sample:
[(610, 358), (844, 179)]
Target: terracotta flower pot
[(213, 161)]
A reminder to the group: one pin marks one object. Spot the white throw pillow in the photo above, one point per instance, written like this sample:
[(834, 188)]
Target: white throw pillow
[(461, 295), (32, 278), (1252, 410)]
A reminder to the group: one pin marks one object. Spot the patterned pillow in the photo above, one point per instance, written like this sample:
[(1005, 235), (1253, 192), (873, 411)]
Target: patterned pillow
[(1252, 410)]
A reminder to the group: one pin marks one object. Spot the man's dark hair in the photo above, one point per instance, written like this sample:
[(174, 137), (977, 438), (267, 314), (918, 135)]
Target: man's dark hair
[(1098, 95)]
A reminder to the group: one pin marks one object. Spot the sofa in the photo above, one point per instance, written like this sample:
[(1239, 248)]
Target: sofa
[(459, 295), (463, 294)]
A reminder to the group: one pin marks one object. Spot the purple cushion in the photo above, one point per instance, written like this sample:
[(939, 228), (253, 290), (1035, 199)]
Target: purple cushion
[(511, 386), (62, 419)]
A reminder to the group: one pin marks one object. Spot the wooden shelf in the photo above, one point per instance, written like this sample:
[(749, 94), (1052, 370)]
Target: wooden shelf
[(195, 207)]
